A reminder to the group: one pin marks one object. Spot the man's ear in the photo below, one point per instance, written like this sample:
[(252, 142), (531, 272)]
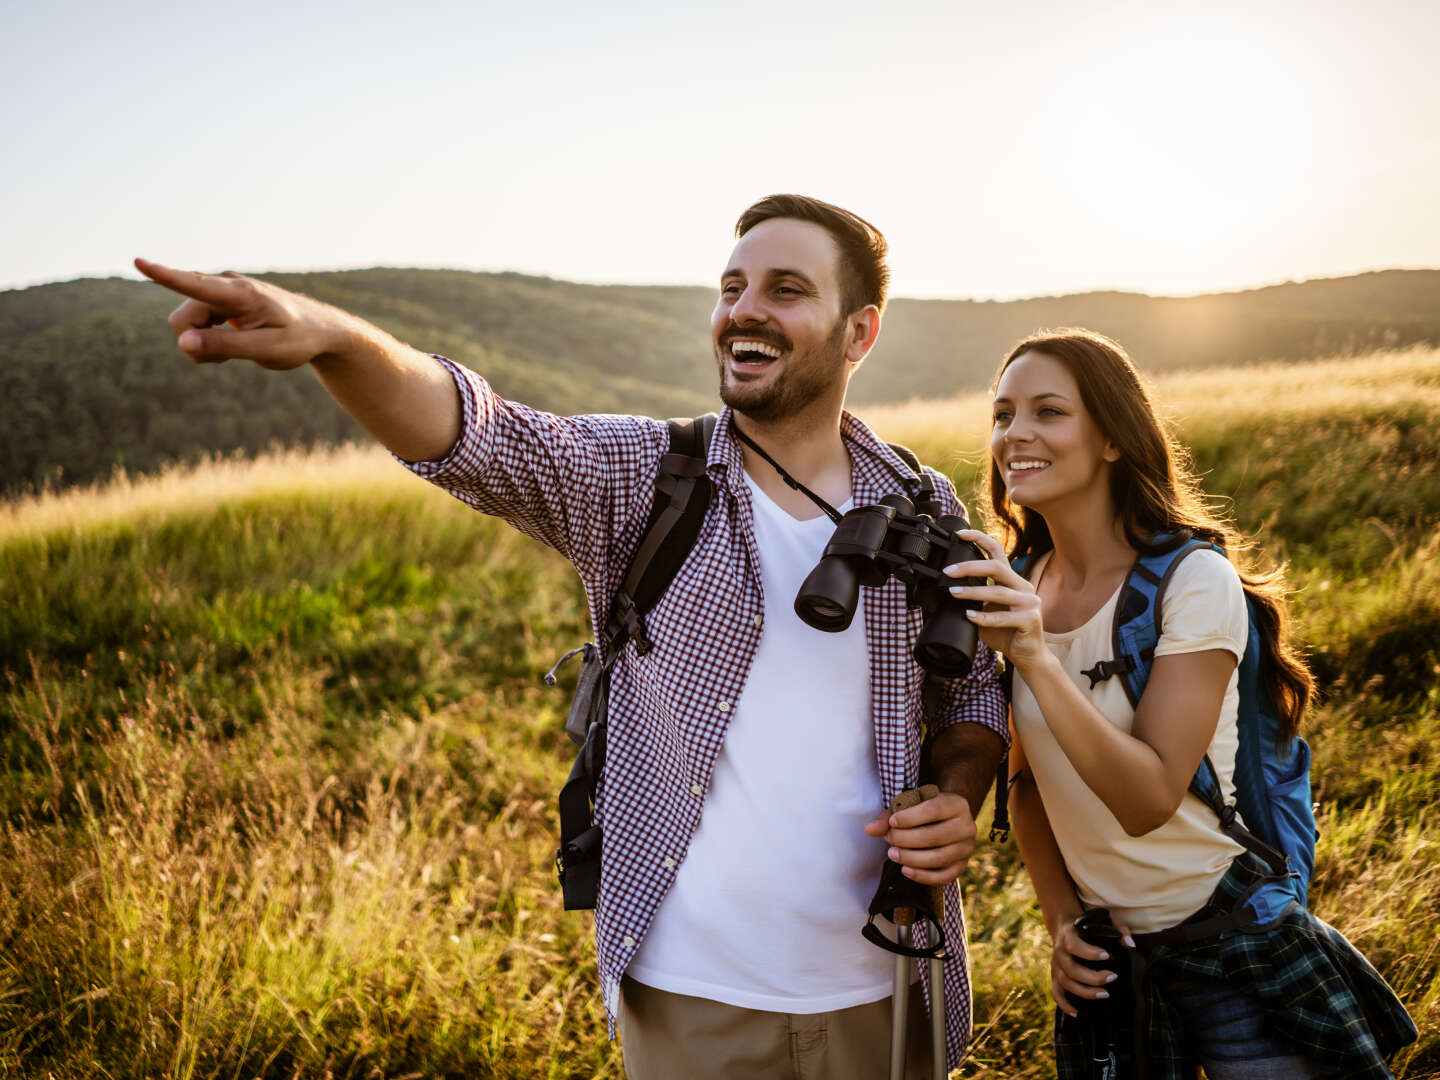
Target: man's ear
[(864, 328)]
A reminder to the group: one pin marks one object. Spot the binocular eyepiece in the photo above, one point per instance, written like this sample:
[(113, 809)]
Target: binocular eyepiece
[(870, 544)]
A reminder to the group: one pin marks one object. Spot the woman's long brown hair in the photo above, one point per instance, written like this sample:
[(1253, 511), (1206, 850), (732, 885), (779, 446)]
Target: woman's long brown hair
[(1156, 492)]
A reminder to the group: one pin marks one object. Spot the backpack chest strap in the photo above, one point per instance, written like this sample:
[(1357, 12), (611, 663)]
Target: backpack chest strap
[(1106, 669)]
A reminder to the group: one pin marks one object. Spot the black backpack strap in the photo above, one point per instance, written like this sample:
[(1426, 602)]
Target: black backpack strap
[(1208, 792), (925, 487), (682, 495), (905, 454), (1000, 817)]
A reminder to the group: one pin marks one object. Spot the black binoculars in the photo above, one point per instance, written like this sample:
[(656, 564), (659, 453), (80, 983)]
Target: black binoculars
[(873, 542)]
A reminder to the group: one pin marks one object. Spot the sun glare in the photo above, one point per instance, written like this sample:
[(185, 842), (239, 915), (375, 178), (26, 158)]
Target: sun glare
[(1200, 135)]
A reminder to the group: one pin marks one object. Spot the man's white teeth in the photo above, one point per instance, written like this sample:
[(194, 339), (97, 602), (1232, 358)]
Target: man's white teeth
[(738, 347), (1020, 466)]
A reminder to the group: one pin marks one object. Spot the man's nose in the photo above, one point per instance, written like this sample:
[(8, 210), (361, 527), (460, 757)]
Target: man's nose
[(748, 309)]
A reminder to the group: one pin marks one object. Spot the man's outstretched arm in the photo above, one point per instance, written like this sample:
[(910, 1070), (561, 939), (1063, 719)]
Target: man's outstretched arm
[(400, 395)]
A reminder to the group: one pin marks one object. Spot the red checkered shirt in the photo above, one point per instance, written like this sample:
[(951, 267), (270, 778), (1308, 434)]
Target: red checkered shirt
[(584, 485)]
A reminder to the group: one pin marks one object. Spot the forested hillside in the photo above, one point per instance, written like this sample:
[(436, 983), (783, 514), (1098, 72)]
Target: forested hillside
[(89, 377)]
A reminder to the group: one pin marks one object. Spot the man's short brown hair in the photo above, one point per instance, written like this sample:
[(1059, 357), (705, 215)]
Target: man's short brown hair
[(864, 277)]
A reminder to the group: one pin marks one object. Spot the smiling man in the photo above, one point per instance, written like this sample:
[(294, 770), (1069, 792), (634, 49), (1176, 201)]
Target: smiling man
[(749, 757)]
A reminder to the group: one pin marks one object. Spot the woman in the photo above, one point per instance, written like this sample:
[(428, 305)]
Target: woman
[(1084, 479)]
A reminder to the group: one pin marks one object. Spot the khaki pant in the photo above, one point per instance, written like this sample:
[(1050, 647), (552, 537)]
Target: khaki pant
[(666, 1036)]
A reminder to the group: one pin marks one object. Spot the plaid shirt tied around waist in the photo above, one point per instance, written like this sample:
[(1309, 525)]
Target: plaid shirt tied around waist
[(584, 486), (1320, 997)]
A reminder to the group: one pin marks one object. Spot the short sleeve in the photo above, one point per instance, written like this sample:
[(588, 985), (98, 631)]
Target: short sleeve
[(1203, 607)]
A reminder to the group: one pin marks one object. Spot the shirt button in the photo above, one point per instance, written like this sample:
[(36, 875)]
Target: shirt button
[(669, 863), (724, 706), (629, 942), (696, 789), (758, 618)]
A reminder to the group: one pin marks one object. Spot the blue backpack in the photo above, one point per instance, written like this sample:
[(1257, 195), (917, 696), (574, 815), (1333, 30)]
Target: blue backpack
[(1272, 781)]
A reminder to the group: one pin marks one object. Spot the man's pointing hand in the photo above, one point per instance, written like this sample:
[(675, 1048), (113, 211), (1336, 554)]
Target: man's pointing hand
[(274, 328), (403, 397)]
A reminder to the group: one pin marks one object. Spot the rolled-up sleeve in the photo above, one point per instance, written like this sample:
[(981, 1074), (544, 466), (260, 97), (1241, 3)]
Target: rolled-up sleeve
[(571, 482)]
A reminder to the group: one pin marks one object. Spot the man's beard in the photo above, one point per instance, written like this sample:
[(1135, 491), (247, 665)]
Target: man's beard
[(797, 388)]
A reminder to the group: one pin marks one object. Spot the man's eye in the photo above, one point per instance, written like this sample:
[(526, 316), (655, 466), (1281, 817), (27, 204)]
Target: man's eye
[(729, 290)]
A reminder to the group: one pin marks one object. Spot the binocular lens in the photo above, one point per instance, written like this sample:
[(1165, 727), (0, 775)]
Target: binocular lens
[(826, 609), (946, 644), (826, 614), (828, 597)]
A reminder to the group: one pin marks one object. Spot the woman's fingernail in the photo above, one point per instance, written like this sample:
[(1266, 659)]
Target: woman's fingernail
[(1101, 994), (1111, 977), (1104, 955), (957, 590), (1129, 941)]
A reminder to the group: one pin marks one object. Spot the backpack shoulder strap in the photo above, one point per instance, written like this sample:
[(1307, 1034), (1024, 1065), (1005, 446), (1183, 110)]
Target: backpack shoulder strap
[(1136, 627), (925, 486), (1000, 814), (682, 495), (1136, 632), (905, 454), (1022, 565)]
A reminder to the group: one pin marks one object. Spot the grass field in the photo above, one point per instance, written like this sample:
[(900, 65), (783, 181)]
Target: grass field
[(278, 769)]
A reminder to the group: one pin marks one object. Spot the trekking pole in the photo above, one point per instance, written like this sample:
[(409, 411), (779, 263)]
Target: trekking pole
[(904, 920)]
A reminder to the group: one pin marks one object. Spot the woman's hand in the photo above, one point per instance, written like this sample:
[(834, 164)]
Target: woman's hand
[(1070, 978), (1010, 621)]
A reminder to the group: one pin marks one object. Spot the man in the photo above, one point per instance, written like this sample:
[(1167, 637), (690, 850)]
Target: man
[(749, 757)]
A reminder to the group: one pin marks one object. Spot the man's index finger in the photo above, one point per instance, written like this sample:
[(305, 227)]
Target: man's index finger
[(210, 288)]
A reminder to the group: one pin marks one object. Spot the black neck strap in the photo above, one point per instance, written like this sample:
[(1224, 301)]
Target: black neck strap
[(830, 511)]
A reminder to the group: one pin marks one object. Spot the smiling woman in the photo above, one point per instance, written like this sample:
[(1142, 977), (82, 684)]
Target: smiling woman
[(1118, 823)]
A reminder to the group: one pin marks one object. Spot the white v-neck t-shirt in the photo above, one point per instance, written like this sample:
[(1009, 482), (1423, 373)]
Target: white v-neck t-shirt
[(766, 908), (1159, 879)]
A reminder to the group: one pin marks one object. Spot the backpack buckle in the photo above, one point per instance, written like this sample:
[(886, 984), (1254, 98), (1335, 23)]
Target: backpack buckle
[(1105, 669)]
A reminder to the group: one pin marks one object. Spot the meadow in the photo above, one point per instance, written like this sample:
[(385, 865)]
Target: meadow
[(279, 770)]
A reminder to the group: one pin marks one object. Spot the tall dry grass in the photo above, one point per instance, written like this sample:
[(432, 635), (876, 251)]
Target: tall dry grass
[(278, 773)]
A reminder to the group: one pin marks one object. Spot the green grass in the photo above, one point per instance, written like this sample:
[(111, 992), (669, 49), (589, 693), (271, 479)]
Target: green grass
[(279, 771)]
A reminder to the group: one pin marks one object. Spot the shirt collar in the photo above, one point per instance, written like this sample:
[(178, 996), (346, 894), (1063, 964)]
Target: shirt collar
[(875, 469)]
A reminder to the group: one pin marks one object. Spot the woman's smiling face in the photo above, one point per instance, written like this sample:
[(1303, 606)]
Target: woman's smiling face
[(1043, 439)]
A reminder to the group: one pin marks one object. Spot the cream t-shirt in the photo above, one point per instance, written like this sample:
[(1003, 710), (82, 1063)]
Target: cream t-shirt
[(1156, 880)]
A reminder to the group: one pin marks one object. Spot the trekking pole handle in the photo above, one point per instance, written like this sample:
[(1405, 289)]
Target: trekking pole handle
[(905, 916)]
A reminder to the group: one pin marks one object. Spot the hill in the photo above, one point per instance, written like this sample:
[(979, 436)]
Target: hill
[(277, 772), (89, 377)]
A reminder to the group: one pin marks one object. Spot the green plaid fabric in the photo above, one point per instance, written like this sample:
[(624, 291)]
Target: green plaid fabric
[(1321, 997)]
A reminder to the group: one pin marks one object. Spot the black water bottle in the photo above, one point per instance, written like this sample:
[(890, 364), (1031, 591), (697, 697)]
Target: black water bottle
[(1105, 1020)]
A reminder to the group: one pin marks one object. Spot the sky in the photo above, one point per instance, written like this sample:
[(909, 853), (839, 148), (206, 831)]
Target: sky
[(1024, 149)]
